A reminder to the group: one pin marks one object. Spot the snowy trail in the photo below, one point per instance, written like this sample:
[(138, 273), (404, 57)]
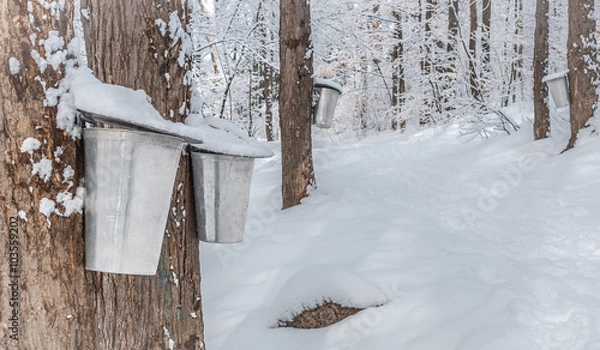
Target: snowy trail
[(475, 245)]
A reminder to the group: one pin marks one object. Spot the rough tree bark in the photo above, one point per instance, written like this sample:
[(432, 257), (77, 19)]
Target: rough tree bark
[(125, 46), (43, 295), (541, 124), (581, 46), (295, 100)]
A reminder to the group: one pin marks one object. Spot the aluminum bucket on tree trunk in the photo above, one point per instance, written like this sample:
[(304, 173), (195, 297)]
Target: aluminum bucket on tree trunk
[(129, 178), (222, 191), (324, 109), (558, 85)]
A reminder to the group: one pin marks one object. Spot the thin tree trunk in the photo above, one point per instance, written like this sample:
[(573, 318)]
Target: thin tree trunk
[(295, 100), (517, 63), (581, 55), (473, 78), (486, 17), (268, 95), (449, 80), (256, 80), (361, 103), (453, 30), (125, 47), (433, 101), (268, 82), (541, 125), (398, 82)]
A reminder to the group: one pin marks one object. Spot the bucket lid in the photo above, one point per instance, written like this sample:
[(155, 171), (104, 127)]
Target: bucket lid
[(328, 84), (554, 76), (210, 139), (138, 125), (204, 148)]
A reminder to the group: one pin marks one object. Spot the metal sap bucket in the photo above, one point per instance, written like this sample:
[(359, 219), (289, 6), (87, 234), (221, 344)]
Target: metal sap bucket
[(129, 178), (558, 85), (222, 191), (325, 107)]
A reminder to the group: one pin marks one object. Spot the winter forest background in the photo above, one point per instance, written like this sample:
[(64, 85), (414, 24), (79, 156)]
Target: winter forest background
[(401, 63), (489, 238)]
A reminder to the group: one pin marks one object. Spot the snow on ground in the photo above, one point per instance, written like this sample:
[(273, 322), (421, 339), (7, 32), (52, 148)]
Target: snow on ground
[(471, 244)]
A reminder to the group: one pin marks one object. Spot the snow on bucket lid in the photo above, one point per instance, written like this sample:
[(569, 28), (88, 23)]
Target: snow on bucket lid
[(120, 106), (327, 83), (556, 75), (221, 136)]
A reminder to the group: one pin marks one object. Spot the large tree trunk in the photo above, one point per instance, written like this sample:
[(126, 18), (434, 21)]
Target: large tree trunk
[(295, 100), (44, 297), (581, 77), (541, 125), (125, 46)]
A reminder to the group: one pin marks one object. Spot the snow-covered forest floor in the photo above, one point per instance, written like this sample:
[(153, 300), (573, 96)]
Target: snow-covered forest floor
[(465, 243)]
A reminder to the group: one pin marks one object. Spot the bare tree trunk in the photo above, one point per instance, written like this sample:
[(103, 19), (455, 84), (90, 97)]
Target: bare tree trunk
[(44, 297), (453, 29), (295, 100), (361, 103), (581, 55), (486, 18), (268, 82), (257, 77), (268, 94), (517, 63), (541, 125), (473, 78), (450, 68), (428, 64), (125, 46), (398, 82)]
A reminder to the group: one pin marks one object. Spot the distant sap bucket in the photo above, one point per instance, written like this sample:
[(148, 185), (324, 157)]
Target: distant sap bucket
[(129, 177), (324, 110), (222, 191), (558, 85)]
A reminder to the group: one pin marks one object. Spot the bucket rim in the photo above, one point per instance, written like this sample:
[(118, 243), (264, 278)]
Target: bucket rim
[(118, 133), (199, 149), (327, 86), (554, 76), (196, 152)]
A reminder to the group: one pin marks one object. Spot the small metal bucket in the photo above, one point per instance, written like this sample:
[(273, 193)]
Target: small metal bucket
[(325, 107), (129, 177), (558, 85), (222, 191)]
